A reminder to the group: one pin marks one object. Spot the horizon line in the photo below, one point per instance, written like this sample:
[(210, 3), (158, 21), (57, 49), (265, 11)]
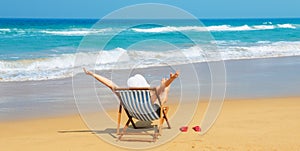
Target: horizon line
[(208, 18)]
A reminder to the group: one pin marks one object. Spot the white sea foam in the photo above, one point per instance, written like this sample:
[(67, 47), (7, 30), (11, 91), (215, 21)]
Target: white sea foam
[(61, 32), (212, 28), (76, 32), (264, 27), (263, 42), (59, 66), (64, 65), (286, 26), (88, 31), (261, 50), (5, 29)]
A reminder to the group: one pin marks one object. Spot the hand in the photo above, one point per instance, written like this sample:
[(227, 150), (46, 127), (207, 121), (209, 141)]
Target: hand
[(87, 72), (175, 75)]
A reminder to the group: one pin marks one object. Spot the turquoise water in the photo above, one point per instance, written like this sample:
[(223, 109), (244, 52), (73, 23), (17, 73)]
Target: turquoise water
[(40, 49)]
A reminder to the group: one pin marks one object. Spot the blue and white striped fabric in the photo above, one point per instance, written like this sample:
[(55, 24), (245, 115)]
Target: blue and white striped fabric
[(138, 104)]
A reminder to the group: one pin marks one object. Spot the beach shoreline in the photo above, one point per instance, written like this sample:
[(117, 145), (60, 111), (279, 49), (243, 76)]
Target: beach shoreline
[(260, 111), (245, 79)]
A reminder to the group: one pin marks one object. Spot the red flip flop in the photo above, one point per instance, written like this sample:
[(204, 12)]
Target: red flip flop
[(183, 129), (197, 128)]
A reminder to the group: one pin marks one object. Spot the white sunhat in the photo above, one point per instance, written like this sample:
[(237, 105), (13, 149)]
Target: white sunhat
[(137, 81)]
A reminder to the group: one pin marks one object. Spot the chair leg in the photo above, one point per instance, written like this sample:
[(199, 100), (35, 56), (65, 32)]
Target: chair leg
[(162, 118), (156, 133), (161, 121), (165, 111), (124, 129), (132, 123), (119, 119), (169, 126), (130, 119), (126, 126)]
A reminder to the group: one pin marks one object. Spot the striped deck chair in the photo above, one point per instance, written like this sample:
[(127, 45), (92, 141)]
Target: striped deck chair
[(137, 104)]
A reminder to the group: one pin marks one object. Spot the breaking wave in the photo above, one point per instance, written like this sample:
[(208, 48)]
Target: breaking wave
[(213, 28), (64, 65)]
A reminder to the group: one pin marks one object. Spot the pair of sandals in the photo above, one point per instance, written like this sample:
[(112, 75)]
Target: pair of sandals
[(195, 128)]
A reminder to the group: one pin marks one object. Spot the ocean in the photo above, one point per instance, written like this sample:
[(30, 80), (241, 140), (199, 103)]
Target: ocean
[(45, 49)]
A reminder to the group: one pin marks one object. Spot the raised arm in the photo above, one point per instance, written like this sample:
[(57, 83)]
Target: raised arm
[(164, 85), (101, 79), (171, 79)]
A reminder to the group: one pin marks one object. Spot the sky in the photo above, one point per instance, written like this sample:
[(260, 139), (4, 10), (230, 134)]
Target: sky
[(100, 8)]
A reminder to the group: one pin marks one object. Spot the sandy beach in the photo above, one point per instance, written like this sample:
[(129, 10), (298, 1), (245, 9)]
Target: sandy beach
[(256, 124)]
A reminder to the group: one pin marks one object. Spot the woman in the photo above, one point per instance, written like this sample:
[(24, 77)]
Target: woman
[(134, 82)]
